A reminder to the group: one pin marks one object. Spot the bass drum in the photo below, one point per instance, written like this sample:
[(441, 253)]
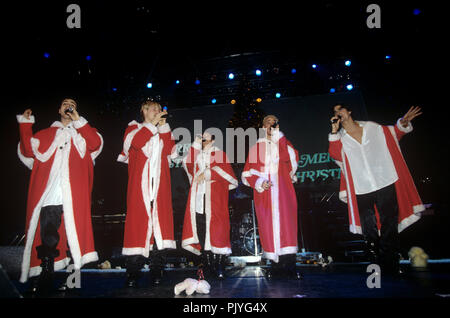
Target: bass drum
[(249, 242)]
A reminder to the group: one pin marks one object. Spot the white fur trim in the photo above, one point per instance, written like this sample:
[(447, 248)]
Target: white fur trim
[(408, 221), (343, 196), (334, 137), (69, 219), (128, 251), (122, 158), (294, 164), (277, 135), (419, 208), (97, 152), (81, 122), (221, 250), (274, 196), (190, 177), (151, 127), (271, 256), (258, 184), (207, 173), (197, 145), (406, 129), (187, 245), (21, 119), (355, 229), (288, 250), (233, 182), (164, 128), (27, 161), (36, 270), (127, 142), (88, 258)]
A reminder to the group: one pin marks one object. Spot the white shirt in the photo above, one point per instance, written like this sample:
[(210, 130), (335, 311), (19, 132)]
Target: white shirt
[(54, 196), (370, 162), (203, 160)]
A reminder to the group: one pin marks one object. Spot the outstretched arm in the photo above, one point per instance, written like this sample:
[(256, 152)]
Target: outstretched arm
[(26, 122), (404, 124)]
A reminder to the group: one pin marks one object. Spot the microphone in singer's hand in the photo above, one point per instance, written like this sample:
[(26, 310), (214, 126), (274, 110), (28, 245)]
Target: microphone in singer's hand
[(335, 120), (275, 125), (69, 110)]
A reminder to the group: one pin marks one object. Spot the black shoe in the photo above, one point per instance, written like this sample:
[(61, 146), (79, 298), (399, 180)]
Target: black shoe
[(156, 275), (268, 273), (131, 281), (220, 266)]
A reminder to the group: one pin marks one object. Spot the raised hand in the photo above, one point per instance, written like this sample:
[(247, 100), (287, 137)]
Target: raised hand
[(158, 120), (74, 115), (335, 125), (412, 113), (267, 184)]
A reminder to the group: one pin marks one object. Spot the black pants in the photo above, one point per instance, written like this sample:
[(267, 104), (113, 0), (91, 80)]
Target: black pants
[(136, 262), (385, 200), (50, 221)]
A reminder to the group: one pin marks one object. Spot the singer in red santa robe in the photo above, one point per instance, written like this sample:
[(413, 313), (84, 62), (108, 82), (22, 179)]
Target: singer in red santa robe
[(207, 220), (270, 170), (61, 160), (375, 182), (149, 219)]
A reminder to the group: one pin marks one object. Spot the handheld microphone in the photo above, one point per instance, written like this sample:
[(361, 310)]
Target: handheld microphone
[(69, 110), (275, 125), (334, 121), (166, 115)]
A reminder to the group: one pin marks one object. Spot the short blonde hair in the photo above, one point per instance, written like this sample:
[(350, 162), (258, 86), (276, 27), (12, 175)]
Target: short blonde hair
[(148, 104), (267, 118)]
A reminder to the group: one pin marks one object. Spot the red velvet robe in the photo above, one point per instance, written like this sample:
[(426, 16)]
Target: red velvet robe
[(219, 179), (146, 150), (37, 152), (276, 208), (409, 202)]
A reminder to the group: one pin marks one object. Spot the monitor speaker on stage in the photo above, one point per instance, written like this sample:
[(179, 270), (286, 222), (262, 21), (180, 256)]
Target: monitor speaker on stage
[(7, 288)]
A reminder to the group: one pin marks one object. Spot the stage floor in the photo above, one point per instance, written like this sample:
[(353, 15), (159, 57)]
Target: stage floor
[(334, 281)]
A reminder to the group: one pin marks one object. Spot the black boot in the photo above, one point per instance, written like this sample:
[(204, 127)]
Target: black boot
[(157, 264), (220, 264), (45, 281), (134, 266), (289, 264), (156, 274), (274, 270), (208, 261)]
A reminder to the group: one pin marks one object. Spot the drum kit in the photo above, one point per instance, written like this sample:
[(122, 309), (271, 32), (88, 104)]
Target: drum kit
[(245, 237)]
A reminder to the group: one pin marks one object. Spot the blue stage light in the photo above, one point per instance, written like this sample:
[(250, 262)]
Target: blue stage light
[(258, 72), (388, 57), (293, 71), (332, 90), (213, 100), (348, 63), (416, 11), (277, 95), (349, 87), (197, 82), (314, 66), (46, 55), (88, 58), (149, 85), (114, 89), (231, 76), (177, 82)]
